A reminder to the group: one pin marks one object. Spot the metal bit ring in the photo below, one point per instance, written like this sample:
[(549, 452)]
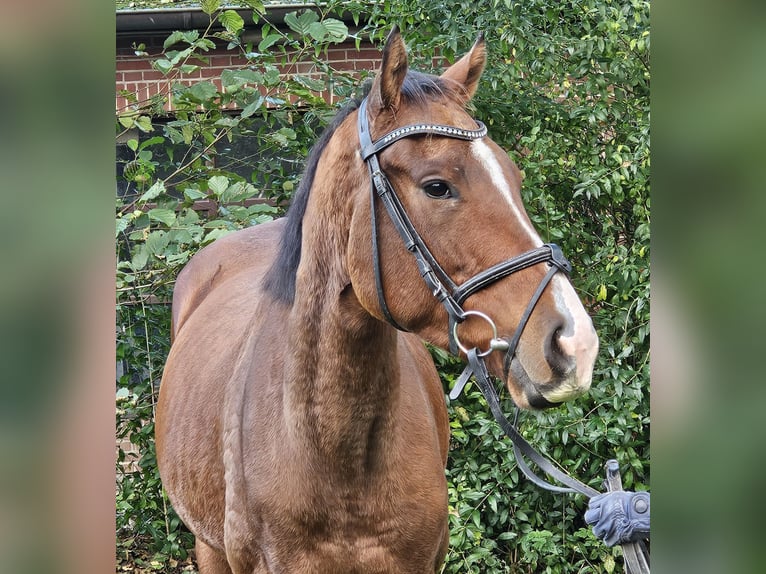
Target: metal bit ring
[(495, 344)]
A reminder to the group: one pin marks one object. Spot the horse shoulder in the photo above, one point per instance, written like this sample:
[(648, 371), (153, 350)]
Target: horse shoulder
[(245, 251), (214, 301)]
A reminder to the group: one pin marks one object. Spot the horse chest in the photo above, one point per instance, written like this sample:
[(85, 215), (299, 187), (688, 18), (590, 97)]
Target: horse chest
[(346, 540), (309, 520)]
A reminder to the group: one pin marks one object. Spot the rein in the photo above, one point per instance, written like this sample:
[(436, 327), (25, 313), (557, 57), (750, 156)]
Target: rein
[(452, 297)]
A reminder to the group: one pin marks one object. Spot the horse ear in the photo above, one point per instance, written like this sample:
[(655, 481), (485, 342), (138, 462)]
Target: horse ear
[(467, 70), (387, 88)]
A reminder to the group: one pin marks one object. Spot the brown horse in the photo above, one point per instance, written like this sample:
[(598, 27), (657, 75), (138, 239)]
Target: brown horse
[(297, 430)]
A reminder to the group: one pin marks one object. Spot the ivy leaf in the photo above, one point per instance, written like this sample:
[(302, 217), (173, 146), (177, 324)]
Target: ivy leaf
[(231, 20)]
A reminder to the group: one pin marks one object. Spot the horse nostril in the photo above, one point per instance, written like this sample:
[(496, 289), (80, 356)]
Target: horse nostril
[(557, 354)]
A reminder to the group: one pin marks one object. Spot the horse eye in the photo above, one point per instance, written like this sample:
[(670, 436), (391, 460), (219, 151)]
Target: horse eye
[(437, 190)]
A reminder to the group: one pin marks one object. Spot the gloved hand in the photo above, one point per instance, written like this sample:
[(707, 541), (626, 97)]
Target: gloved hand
[(619, 516)]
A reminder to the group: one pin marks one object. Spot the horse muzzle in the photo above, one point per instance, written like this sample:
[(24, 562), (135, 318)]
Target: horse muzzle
[(565, 380)]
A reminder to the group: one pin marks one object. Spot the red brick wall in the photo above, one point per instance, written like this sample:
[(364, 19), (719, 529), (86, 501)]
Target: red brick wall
[(136, 75)]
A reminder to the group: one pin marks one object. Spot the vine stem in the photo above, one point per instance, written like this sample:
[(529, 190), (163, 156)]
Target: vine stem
[(152, 394)]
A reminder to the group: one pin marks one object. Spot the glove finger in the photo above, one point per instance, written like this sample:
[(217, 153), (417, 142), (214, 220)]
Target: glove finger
[(592, 515)]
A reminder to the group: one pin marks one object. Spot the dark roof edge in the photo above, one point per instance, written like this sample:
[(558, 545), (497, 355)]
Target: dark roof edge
[(169, 19)]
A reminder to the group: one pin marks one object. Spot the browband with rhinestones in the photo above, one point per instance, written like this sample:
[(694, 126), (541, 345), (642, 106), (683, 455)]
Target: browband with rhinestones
[(417, 129)]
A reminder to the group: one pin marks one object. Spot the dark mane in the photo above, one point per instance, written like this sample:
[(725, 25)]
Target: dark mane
[(280, 279)]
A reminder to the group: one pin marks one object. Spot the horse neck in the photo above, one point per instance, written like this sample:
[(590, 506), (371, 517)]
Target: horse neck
[(341, 376)]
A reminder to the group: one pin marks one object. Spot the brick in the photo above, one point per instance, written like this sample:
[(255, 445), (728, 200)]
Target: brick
[(132, 76), (132, 64)]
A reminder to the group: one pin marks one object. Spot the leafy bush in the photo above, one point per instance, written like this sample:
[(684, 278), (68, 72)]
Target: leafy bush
[(566, 91)]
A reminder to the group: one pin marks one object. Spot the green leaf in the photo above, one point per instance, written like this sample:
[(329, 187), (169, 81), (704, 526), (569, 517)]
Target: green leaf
[(291, 19), (238, 192), (194, 194), (210, 6), (268, 42), (256, 5), (133, 144), (216, 233), (144, 123), (173, 39), (189, 68), (156, 242), (140, 257), (314, 84), (317, 31), (154, 191), (252, 107), (231, 20), (166, 216), (218, 184), (301, 23), (335, 29), (235, 79), (122, 224), (151, 141), (203, 91), (162, 65)]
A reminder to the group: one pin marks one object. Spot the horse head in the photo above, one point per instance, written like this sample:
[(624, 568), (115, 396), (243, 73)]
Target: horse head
[(462, 198)]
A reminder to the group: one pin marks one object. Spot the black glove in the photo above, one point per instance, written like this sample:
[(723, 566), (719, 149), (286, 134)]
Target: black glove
[(618, 517)]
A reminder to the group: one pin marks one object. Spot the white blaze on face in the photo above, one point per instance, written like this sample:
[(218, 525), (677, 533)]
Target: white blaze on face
[(579, 339), (486, 157)]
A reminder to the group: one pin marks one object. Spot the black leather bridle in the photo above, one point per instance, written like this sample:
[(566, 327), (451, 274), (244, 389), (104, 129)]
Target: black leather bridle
[(452, 296)]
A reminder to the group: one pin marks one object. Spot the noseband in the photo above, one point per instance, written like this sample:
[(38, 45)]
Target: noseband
[(450, 295)]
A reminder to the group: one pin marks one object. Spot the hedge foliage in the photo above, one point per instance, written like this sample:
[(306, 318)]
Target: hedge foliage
[(566, 92)]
